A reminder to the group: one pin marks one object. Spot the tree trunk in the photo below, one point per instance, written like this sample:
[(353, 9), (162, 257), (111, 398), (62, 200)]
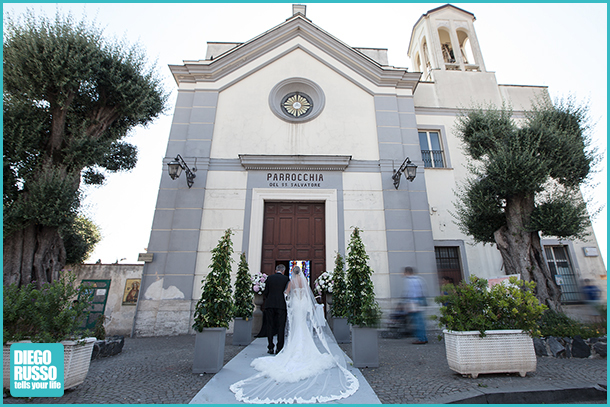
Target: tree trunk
[(35, 253), (522, 252)]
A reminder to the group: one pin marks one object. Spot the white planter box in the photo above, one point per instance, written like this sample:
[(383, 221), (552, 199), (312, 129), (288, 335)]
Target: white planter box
[(500, 351), (77, 358)]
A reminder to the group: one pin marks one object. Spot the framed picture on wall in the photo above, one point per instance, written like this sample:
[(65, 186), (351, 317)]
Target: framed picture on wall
[(132, 289)]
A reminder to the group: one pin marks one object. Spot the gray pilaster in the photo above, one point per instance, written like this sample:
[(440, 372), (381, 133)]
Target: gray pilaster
[(408, 228), (174, 237)]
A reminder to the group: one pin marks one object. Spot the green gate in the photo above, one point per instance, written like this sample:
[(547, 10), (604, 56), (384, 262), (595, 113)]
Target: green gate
[(100, 290)]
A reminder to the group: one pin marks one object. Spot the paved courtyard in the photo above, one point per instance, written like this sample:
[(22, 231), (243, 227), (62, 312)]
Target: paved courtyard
[(158, 370)]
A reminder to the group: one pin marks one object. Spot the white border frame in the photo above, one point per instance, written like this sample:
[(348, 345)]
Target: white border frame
[(262, 195)]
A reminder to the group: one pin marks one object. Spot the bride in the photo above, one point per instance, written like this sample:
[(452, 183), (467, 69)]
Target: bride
[(311, 367)]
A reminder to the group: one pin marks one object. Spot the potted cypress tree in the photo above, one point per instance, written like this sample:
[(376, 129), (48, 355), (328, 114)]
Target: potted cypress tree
[(490, 329), (340, 303), (244, 305), (214, 310), (363, 310)]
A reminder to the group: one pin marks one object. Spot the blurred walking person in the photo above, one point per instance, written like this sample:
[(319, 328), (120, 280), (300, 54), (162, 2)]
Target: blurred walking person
[(414, 299)]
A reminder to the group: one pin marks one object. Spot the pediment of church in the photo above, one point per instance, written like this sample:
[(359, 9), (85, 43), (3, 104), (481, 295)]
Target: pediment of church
[(234, 61)]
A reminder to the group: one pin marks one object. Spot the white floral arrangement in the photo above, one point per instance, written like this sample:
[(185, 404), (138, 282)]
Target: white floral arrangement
[(324, 283), (258, 282)]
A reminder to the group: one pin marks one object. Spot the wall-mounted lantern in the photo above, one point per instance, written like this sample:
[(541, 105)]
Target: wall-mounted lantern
[(174, 169), (408, 168)]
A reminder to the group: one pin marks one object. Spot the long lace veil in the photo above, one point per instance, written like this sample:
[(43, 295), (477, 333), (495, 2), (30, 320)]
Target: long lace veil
[(310, 369)]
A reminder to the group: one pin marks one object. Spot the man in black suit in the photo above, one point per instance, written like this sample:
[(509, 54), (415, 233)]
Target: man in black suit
[(275, 307)]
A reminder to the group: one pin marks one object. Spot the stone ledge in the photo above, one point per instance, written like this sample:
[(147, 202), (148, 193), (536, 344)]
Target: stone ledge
[(571, 347), (111, 346)]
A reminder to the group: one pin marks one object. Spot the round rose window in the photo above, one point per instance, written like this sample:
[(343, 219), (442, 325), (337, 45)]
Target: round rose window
[(297, 104), (296, 100)]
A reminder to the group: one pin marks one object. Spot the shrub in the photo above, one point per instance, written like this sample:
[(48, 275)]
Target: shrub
[(244, 307), (46, 315), (601, 326), (473, 306), (215, 307), (558, 324), (99, 331)]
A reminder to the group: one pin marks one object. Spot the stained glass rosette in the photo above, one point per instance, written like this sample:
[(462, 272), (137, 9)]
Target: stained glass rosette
[(297, 104)]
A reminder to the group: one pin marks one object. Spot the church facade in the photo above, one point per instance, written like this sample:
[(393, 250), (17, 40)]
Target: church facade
[(294, 138)]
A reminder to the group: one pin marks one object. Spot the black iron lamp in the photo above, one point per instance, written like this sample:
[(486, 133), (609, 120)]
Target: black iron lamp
[(408, 168), (174, 169)]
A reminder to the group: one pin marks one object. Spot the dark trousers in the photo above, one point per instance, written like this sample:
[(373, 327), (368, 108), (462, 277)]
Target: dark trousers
[(276, 323)]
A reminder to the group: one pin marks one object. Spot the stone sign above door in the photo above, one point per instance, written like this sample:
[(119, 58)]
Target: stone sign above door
[(295, 162)]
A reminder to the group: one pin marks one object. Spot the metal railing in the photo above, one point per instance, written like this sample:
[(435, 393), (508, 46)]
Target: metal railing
[(433, 158)]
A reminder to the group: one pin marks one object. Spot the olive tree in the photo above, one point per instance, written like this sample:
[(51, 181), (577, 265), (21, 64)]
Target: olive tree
[(525, 182), (70, 98)]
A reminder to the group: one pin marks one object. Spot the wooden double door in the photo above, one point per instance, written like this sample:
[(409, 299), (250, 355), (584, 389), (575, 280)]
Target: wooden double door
[(294, 231)]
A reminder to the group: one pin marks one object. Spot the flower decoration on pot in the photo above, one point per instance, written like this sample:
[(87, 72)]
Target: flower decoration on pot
[(258, 282), (340, 295), (324, 283), (363, 309), (215, 307), (244, 307), (49, 314), (474, 306)]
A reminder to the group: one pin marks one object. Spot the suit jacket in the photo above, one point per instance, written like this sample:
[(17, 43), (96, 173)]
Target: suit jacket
[(274, 291)]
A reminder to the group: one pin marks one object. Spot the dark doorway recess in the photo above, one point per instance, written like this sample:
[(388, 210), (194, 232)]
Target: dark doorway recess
[(294, 231)]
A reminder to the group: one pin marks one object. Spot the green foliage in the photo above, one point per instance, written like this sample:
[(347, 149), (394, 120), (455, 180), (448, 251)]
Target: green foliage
[(565, 139), (565, 216), (547, 157), (472, 306), (479, 210), (80, 239), (482, 130), (99, 331), (244, 296), (51, 200), (600, 326), (215, 307), (559, 325), (340, 306), (48, 314), (69, 96), (363, 309)]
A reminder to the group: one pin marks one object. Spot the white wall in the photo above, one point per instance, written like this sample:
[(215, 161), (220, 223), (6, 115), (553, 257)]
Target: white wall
[(246, 125), (364, 208), (223, 208)]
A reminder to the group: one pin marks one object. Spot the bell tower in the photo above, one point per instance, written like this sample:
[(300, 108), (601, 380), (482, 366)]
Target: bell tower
[(444, 39)]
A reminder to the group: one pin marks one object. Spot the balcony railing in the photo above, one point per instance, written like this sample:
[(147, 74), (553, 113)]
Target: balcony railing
[(433, 158)]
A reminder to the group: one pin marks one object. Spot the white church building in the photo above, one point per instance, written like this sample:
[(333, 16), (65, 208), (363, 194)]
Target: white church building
[(295, 137)]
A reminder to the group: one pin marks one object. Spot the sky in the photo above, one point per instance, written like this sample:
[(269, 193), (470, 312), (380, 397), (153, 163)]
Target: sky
[(562, 46)]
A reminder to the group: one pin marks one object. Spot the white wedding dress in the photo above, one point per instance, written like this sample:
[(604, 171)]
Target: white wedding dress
[(311, 367)]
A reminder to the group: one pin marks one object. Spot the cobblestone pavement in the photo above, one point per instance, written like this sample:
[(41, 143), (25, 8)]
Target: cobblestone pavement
[(158, 370), (410, 373)]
